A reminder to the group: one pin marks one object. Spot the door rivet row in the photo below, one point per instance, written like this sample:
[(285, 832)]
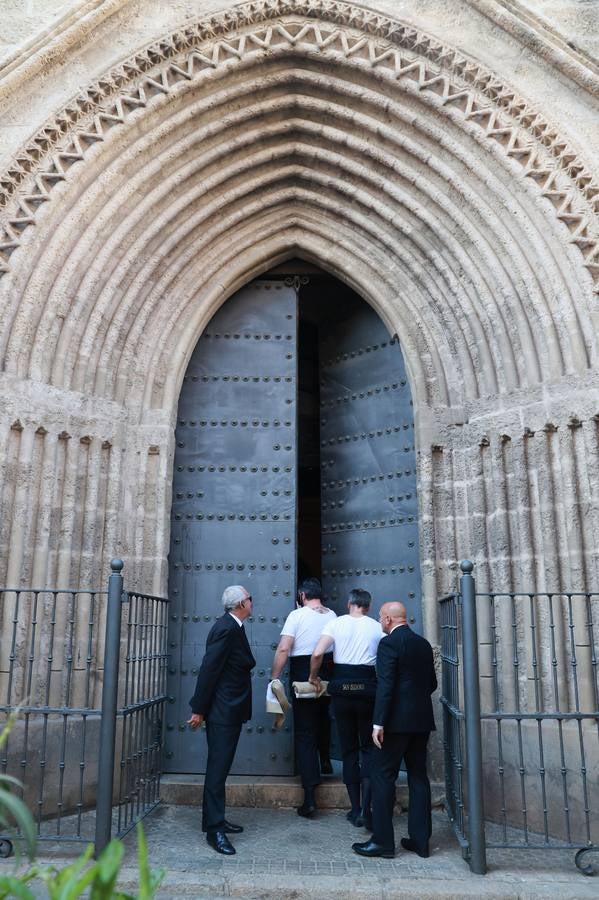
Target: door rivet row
[(207, 335), (360, 351), (363, 436), (252, 469), (349, 573), (227, 566), (232, 517), (363, 395), (347, 482), (242, 423), (359, 526)]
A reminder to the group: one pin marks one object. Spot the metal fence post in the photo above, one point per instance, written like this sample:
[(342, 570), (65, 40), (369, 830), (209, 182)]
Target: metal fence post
[(109, 707), (474, 759)]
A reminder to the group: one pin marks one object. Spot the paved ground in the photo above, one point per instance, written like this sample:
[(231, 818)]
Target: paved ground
[(281, 855)]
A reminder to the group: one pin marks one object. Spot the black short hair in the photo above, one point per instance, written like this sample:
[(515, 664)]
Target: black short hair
[(311, 588), (360, 598)]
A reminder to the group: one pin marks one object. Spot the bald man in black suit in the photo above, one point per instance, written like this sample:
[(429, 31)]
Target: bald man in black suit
[(223, 697), (403, 717)]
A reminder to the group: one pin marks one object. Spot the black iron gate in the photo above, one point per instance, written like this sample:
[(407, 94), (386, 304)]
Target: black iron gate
[(520, 697), (83, 686), (368, 465), (233, 516)]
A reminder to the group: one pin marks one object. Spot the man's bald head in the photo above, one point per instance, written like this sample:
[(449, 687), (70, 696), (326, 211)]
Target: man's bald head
[(392, 614)]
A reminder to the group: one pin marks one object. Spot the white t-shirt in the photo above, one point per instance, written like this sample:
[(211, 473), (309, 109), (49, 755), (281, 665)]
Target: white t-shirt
[(356, 640), (305, 627)]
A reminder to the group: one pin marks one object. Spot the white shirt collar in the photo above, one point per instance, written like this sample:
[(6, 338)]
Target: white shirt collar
[(401, 625), (239, 621)]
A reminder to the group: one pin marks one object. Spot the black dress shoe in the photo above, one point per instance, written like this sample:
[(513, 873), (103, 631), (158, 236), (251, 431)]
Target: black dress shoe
[(355, 818), (370, 848), (221, 843), (409, 844), (230, 828), (306, 810)]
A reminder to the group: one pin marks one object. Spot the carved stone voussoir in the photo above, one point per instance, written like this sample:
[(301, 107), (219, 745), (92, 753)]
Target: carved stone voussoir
[(396, 51)]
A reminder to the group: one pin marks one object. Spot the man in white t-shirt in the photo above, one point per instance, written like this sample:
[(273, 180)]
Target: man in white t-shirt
[(300, 635), (354, 639)]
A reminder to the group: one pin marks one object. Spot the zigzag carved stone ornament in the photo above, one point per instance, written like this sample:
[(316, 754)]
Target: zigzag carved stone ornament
[(336, 30)]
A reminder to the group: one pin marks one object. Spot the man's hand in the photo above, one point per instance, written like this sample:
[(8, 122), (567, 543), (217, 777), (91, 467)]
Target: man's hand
[(196, 720), (378, 734), (315, 680)]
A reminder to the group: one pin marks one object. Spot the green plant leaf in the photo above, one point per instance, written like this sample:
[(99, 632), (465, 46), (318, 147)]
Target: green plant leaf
[(77, 886), (157, 876), (8, 727), (14, 886), (70, 882), (149, 881), (14, 811), (108, 867), (8, 779), (145, 886)]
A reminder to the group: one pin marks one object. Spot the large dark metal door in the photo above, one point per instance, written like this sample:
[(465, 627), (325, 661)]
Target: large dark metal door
[(234, 509), (368, 466)]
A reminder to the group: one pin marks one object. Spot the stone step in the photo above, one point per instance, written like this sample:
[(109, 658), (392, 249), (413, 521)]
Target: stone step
[(269, 792)]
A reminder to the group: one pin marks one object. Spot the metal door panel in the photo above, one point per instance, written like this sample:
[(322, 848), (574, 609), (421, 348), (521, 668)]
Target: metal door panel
[(368, 466), (235, 496), (366, 502), (251, 397), (365, 422), (234, 508)]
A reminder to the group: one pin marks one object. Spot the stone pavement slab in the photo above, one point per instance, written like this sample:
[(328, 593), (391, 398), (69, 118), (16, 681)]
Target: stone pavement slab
[(284, 856)]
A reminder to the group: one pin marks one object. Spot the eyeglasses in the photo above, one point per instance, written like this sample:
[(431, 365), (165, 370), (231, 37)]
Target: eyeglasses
[(248, 598)]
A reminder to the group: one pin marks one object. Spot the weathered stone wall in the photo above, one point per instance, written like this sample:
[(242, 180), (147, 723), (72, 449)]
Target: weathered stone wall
[(439, 194)]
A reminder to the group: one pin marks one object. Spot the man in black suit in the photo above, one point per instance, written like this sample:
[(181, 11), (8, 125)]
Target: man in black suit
[(223, 698), (403, 717)]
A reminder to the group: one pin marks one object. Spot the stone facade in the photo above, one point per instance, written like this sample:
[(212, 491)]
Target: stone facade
[(211, 145), (440, 158)]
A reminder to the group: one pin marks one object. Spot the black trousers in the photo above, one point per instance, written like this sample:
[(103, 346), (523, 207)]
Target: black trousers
[(308, 718), (324, 729), (222, 744), (385, 769), (354, 727)]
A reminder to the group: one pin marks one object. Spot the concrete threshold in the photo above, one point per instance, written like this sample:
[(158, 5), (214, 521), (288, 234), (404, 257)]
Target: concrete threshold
[(269, 792)]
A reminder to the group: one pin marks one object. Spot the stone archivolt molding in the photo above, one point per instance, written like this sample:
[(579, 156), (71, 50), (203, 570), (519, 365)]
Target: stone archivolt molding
[(325, 27), (535, 31)]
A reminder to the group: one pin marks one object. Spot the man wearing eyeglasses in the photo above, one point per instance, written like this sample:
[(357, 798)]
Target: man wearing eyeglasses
[(223, 699)]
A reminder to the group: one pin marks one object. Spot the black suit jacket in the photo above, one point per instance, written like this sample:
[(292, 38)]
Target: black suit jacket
[(405, 681), (224, 689)]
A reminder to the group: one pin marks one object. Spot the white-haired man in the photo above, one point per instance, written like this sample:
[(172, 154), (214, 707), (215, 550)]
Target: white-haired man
[(223, 698)]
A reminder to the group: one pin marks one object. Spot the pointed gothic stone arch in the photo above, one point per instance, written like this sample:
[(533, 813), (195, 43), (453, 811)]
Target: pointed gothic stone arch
[(314, 129)]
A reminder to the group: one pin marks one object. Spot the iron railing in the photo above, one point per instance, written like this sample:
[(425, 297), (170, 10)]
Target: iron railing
[(520, 697), (74, 720), (142, 713)]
